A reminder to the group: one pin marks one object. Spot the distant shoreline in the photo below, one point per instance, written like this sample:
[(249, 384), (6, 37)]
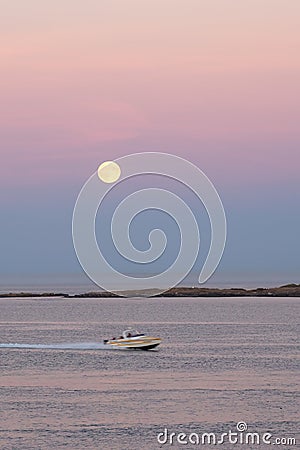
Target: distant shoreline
[(288, 290)]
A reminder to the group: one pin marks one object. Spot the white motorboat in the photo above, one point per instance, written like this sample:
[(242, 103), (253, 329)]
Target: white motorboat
[(133, 339)]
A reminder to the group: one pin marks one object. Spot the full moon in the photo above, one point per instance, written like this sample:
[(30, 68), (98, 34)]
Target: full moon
[(109, 171)]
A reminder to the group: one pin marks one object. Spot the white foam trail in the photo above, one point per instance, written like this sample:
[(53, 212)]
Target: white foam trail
[(67, 346)]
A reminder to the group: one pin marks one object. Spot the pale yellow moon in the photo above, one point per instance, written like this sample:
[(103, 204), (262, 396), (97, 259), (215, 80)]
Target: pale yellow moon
[(109, 171)]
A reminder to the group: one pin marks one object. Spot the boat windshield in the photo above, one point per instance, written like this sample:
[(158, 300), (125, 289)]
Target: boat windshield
[(131, 333)]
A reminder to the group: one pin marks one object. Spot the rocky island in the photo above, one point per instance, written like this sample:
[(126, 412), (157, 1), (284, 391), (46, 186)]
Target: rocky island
[(288, 290)]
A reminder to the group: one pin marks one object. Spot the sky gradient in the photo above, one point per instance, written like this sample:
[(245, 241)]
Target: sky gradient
[(213, 81)]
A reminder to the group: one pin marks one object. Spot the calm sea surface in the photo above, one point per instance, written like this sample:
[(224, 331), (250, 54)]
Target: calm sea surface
[(222, 361)]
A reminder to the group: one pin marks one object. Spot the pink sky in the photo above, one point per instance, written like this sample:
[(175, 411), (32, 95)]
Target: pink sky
[(214, 81)]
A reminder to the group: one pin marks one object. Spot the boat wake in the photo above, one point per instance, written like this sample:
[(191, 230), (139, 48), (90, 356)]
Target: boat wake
[(67, 346)]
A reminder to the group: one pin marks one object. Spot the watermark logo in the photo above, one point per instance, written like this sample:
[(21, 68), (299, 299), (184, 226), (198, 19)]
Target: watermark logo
[(241, 435), (100, 184)]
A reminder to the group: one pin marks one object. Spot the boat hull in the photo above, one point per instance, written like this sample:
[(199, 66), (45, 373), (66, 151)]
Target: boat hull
[(145, 343)]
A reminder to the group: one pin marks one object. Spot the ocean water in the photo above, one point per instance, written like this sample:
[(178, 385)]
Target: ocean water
[(221, 362)]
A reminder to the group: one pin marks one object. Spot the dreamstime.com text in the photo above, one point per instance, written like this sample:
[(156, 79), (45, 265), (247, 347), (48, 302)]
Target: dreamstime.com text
[(240, 435)]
